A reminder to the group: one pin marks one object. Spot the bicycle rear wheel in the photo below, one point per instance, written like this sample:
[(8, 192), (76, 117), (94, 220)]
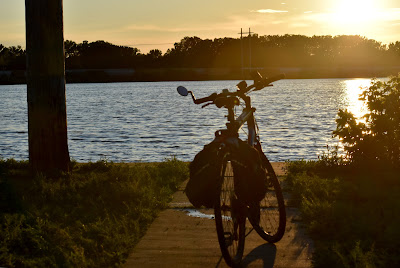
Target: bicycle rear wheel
[(230, 218), (269, 216)]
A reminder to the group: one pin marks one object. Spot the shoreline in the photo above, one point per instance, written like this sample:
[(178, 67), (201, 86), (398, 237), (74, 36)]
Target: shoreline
[(12, 77)]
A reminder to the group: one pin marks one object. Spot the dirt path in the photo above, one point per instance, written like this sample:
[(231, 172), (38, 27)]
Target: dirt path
[(179, 239)]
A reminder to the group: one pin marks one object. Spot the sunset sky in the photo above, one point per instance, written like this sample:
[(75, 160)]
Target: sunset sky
[(158, 24)]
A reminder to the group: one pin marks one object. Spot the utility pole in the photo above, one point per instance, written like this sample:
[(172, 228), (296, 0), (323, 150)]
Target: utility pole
[(241, 45), (241, 49), (47, 115), (250, 48)]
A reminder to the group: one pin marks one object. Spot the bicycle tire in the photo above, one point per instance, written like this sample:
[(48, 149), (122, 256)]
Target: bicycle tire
[(230, 217), (269, 216)]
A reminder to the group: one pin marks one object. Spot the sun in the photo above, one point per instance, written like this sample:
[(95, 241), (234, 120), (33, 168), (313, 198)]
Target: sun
[(355, 13)]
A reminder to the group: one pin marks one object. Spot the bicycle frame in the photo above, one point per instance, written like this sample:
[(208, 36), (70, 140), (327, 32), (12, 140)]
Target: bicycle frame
[(247, 115)]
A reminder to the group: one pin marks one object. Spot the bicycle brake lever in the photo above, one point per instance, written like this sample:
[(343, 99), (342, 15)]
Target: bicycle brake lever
[(206, 104)]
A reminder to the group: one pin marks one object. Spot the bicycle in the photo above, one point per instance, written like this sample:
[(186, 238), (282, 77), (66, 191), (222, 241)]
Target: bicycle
[(268, 217)]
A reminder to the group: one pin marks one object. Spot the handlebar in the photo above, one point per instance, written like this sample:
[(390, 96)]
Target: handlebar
[(212, 97), (259, 83)]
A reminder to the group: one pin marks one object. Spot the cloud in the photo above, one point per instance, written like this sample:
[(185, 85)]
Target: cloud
[(377, 16), (392, 14), (396, 24), (270, 11)]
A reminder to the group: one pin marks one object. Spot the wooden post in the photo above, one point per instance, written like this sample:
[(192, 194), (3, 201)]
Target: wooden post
[(47, 118)]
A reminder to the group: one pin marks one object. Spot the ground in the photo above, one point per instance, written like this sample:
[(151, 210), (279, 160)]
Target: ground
[(184, 237)]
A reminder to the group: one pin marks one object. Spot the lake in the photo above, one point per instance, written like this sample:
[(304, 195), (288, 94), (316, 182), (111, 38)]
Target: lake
[(149, 121)]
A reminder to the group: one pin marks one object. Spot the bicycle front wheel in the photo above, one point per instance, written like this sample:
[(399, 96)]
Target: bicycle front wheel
[(269, 216), (230, 218)]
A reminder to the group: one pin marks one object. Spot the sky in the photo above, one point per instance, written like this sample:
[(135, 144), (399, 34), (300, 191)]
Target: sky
[(158, 24)]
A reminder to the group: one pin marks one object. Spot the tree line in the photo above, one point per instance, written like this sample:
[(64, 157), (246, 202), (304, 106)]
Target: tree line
[(252, 51)]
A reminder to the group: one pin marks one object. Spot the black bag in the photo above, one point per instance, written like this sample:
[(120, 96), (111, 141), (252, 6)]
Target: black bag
[(250, 176), (201, 188), (205, 170)]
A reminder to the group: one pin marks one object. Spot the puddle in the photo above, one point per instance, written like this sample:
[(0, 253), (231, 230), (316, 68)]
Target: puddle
[(197, 214)]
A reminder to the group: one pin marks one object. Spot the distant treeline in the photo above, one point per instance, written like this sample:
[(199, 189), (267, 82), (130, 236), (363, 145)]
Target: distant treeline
[(269, 51)]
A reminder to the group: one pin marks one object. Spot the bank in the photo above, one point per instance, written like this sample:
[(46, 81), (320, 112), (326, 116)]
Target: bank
[(204, 74)]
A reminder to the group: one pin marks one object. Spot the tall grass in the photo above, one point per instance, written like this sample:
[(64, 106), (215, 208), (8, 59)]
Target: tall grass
[(91, 217), (353, 216)]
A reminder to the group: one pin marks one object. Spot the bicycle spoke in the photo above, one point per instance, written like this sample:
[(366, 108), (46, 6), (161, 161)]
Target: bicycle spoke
[(227, 214), (269, 217)]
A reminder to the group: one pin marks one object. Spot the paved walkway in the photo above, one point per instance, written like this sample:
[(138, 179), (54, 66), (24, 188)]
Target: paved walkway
[(184, 237)]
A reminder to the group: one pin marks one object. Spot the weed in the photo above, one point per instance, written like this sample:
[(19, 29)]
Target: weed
[(91, 217), (352, 216)]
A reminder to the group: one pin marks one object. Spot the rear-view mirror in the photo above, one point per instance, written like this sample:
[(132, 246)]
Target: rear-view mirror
[(182, 91)]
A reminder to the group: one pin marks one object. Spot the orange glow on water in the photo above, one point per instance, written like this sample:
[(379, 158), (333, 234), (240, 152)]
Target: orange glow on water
[(354, 88)]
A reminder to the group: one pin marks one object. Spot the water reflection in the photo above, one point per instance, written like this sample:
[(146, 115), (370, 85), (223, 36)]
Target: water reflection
[(353, 89)]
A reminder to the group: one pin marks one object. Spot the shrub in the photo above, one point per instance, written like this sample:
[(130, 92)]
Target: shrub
[(375, 143), (350, 204)]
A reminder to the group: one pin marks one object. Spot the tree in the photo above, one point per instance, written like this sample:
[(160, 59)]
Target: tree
[(47, 119), (155, 54), (71, 49), (375, 143)]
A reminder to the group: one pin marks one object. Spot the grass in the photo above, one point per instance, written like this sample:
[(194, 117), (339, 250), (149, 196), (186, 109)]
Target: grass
[(91, 217), (95, 215), (352, 215)]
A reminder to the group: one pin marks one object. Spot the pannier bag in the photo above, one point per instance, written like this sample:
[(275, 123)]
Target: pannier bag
[(201, 188), (250, 177)]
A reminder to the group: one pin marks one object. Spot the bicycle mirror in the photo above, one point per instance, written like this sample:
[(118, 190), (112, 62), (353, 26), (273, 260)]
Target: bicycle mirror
[(182, 91)]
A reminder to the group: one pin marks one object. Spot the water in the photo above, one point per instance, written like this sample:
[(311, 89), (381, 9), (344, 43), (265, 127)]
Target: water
[(197, 214), (149, 121)]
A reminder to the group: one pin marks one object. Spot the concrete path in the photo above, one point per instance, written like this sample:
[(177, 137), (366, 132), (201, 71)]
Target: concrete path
[(184, 237)]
